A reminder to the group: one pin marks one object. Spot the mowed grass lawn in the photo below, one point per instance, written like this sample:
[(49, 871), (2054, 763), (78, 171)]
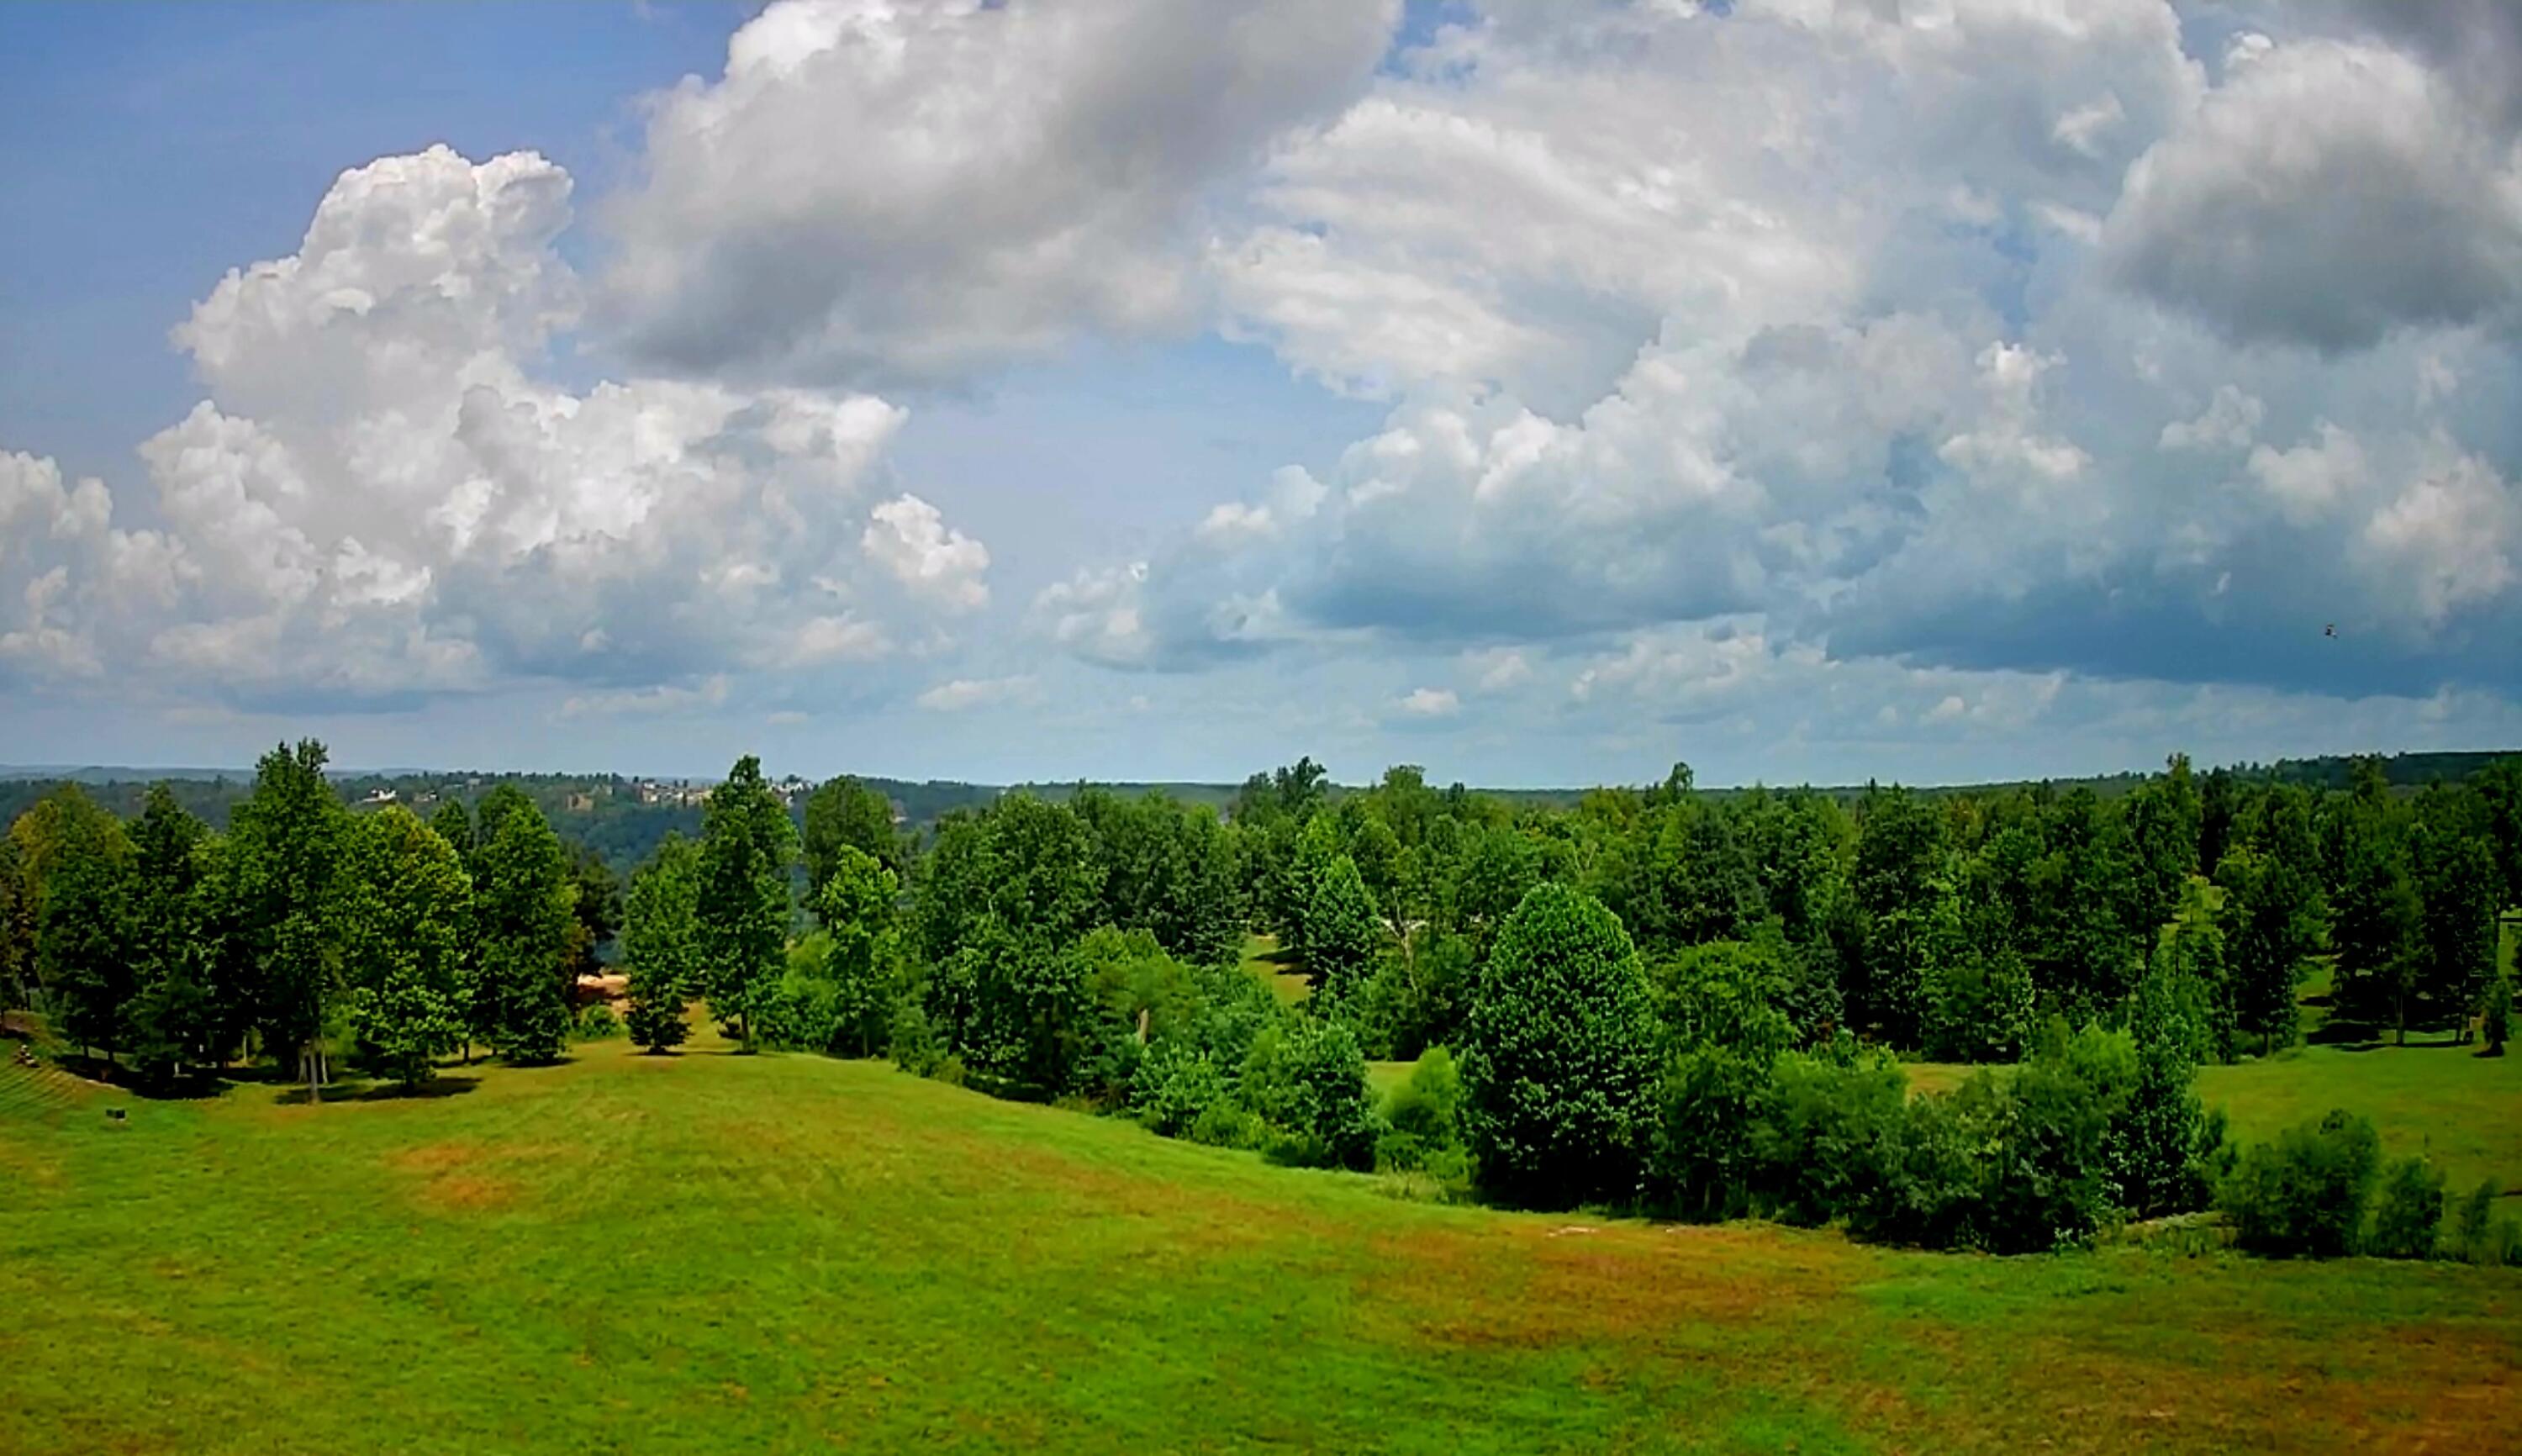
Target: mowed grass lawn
[(709, 1252)]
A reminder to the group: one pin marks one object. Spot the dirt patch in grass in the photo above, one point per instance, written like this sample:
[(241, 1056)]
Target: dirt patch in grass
[(467, 1193), (435, 1157), (1527, 1284)]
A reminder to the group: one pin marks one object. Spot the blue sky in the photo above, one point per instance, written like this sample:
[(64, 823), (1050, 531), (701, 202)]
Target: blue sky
[(1538, 394)]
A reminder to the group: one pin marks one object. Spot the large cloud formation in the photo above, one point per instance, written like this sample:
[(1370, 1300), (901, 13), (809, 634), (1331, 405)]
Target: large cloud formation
[(1903, 367), (883, 192), (1995, 336), (379, 499)]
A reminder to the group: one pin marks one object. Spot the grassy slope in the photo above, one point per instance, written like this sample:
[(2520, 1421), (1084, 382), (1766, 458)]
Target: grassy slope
[(711, 1252)]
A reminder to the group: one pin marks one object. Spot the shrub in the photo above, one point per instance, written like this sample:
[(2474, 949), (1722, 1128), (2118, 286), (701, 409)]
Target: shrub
[(2305, 1194), (2054, 1135), (1559, 1055), (1225, 1124), (1175, 1087), (2496, 1017), (1308, 1080), (2479, 1235), (2407, 1220), (1820, 1138), (598, 1023), (1918, 1183), (915, 1046), (1428, 1104)]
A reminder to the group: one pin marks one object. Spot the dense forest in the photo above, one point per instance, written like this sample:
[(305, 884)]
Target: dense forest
[(1683, 1003)]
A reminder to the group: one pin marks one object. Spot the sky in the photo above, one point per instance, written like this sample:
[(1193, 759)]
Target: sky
[(1540, 392)]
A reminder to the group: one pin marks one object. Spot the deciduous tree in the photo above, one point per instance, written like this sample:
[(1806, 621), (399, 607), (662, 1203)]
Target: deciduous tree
[(747, 842), (661, 943)]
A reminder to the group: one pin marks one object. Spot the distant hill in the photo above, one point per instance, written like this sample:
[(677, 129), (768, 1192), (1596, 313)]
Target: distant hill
[(624, 818)]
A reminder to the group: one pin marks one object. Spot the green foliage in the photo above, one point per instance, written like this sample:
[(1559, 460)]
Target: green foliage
[(85, 924), (174, 1015), (2271, 924), (2408, 1218), (2495, 1016), (524, 897), (1024, 867), (1015, 1014), (281, 901), (2305, 1194), (409, 910), (2159, 1146), (1559, 1055), (2458, 889), (845, 813), (747, 843), (2479, 1236), (1176, 1085), (661, 943), (863, 959), (597, 1023), (1307, 1079), (1340, 929), (1423, 1118)]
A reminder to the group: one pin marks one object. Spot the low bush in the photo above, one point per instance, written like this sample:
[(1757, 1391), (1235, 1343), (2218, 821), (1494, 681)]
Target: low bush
[(2408, 1220), (2479, 1235), (2305, 1194)]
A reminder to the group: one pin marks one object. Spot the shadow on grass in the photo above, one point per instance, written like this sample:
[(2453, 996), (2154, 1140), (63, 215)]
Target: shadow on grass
[(384, 1091)]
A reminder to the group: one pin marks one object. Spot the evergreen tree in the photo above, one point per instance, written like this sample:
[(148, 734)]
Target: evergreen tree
[(1340, 930), (747, 841), (525, 900), (2495, 1017), (661, 943)]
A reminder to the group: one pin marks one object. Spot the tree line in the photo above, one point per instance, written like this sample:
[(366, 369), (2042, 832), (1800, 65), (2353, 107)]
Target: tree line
[(1656, 997)]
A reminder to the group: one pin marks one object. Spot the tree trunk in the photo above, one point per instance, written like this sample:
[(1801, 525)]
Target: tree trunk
[(314, 1082)]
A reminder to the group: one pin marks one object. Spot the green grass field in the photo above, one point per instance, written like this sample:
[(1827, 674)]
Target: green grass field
[(709, 1252), (1283, 969)]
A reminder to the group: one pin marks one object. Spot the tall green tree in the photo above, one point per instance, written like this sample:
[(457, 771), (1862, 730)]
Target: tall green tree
[(747, 843), (845, 813), (1558, 1054), (525, 915), (2163, 818), (1898, 873), (1340, 930), (284, 903), (454, 824), (410, 910), (2458, 889), (2374, 911), (174, 1015), (2272, 929), (857, 910), (84, 928), (661, 943)]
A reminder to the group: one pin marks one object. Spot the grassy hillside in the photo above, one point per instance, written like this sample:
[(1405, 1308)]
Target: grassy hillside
[(713, 1253)]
